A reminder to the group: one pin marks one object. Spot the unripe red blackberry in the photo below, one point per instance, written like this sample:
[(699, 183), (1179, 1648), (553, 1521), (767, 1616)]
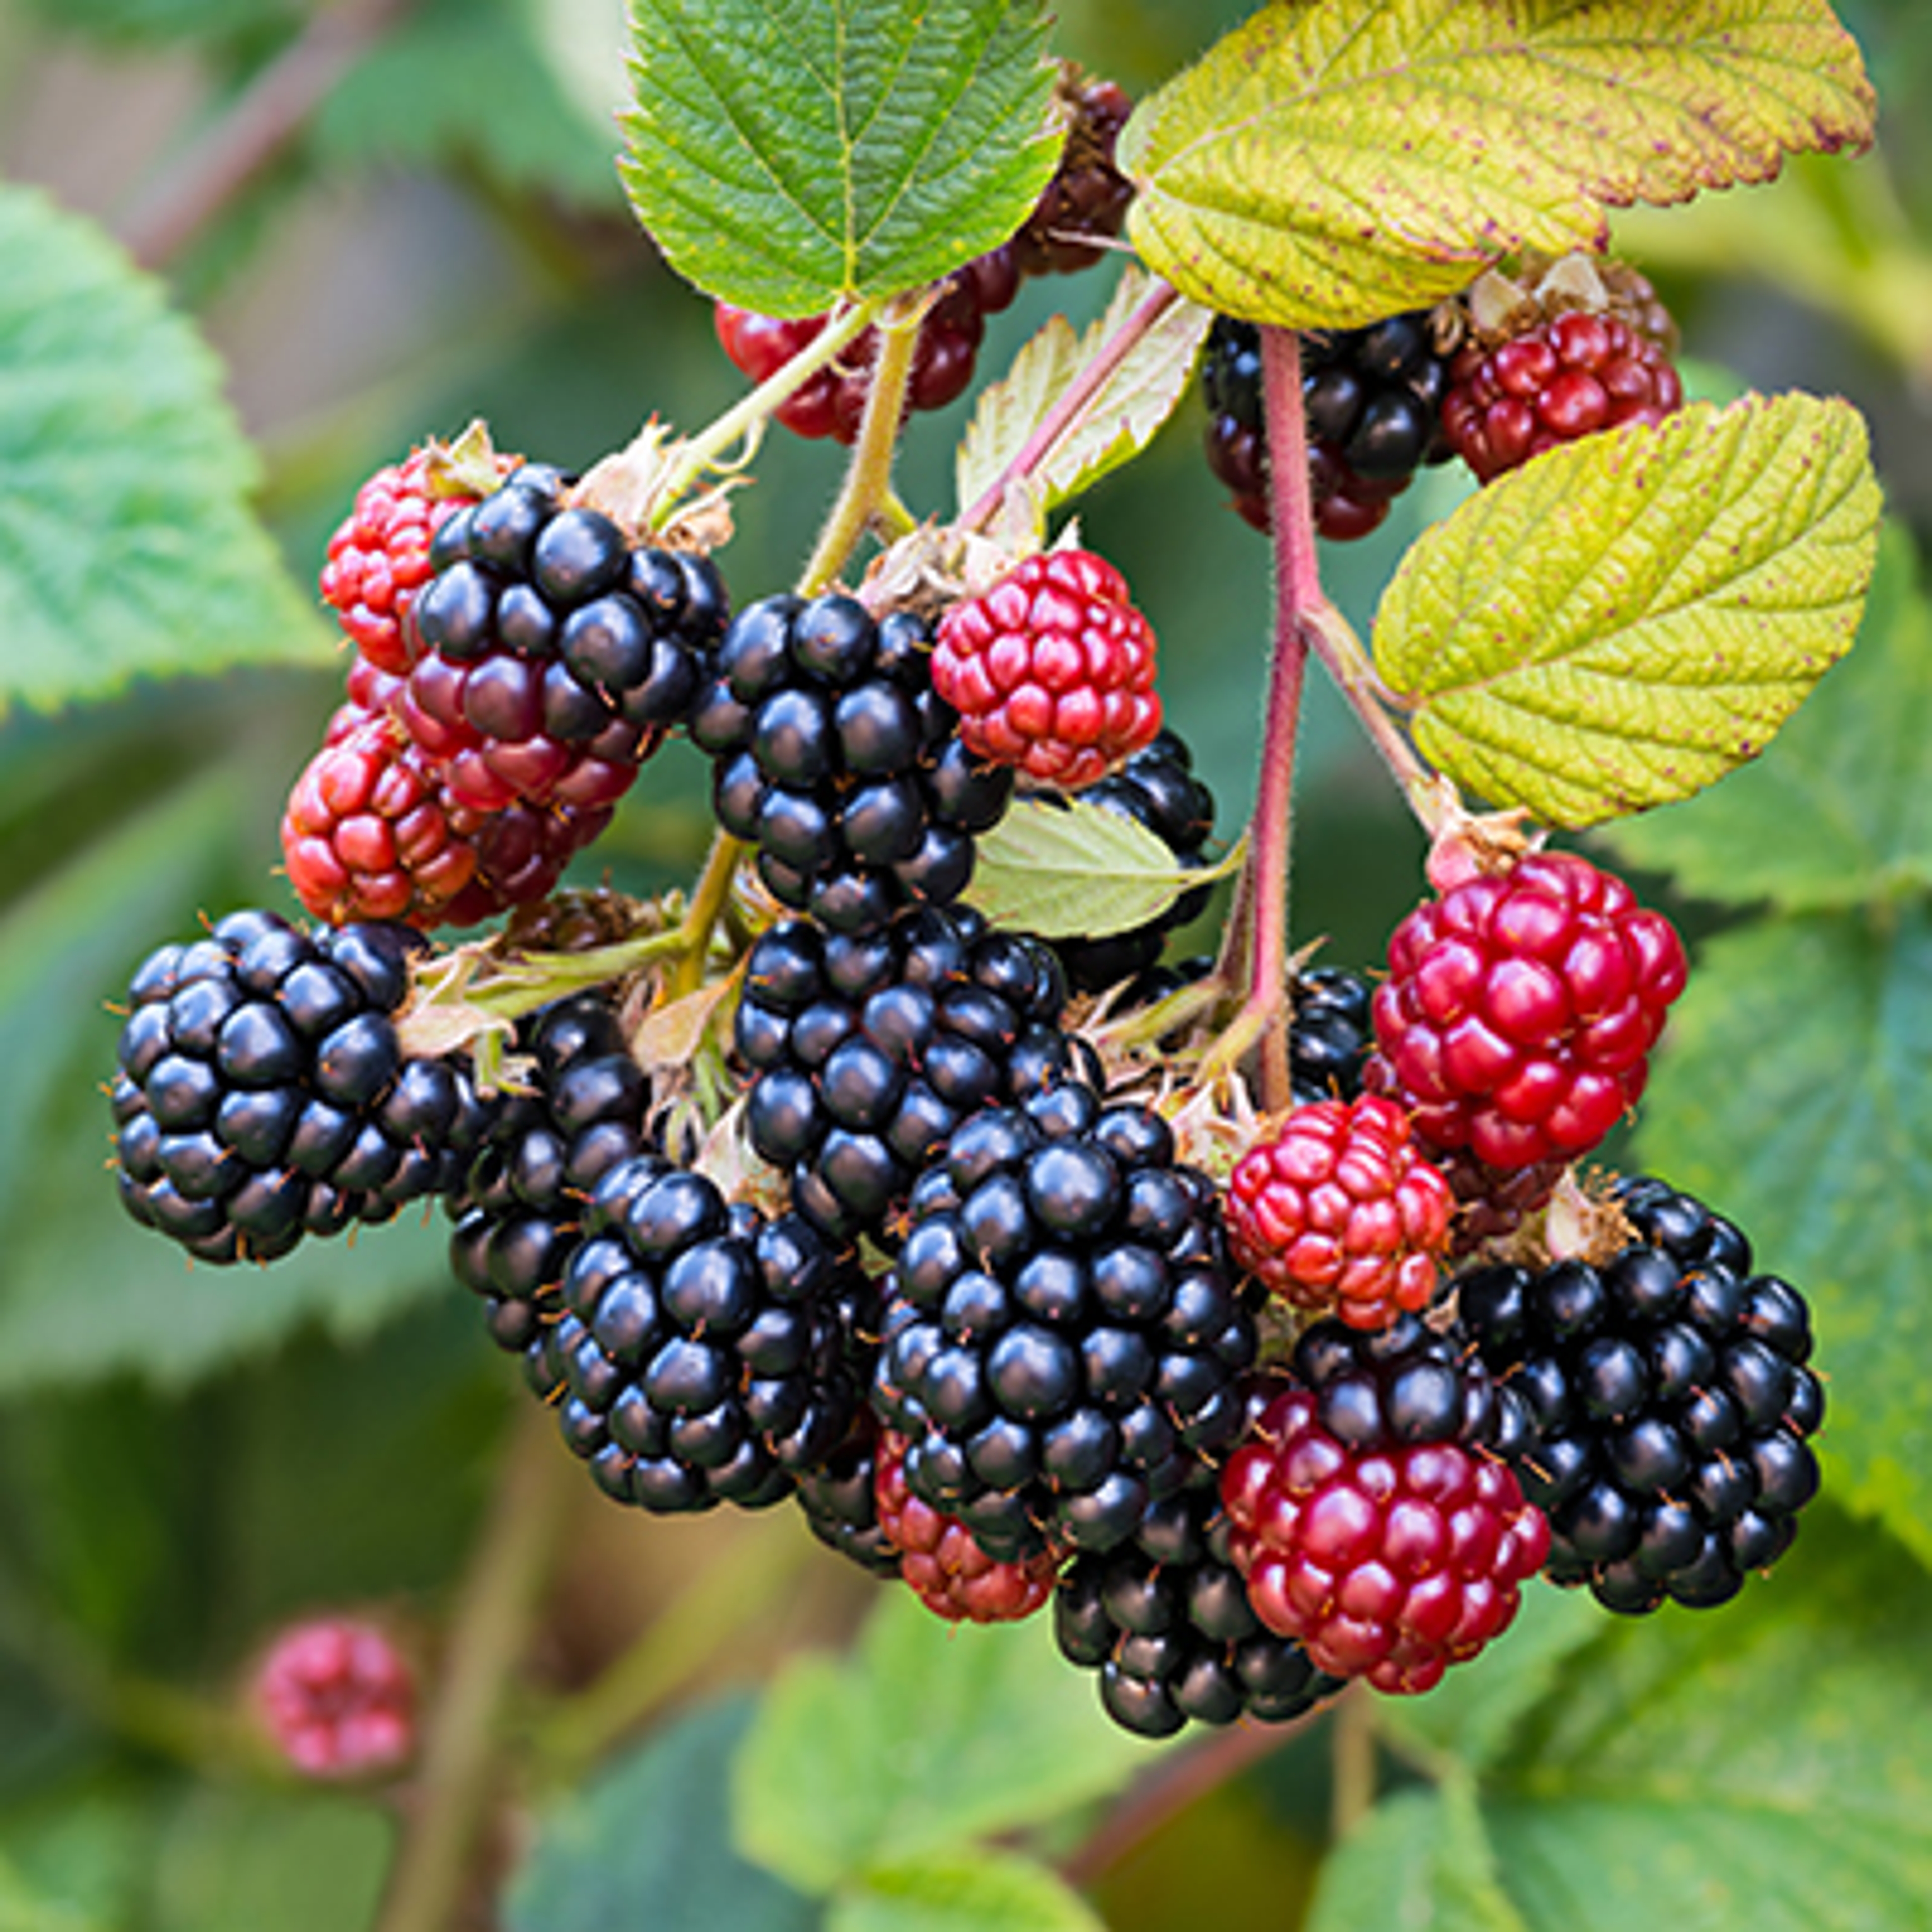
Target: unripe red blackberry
[(552, 658), (337, 1699), (1165, 1620), (835, 758), (1064, 1338), (1371, 396), (1663, 1404), (700, 1356), (1370, 1520), (1337, 1210), (866, 1053), (380, 557), (1563, 379), (263, 1094), (1520, 1011), (1051, 670), (942, 1563)]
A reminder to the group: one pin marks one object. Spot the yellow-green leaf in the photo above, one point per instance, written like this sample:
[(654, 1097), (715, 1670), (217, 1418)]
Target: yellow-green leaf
[(1333, 161), (1126, 410), (1620, 622)]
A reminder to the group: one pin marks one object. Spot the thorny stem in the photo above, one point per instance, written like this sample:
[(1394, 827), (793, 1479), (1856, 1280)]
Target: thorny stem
[(868, 481), (1264, 1015), (253, 129), (502, 1591), (1072, 404), (747, 415)]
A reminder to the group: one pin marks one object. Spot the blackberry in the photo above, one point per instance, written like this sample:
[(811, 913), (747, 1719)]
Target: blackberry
[(263, 1094), (836, 760), (1165, 1620), (336, 1699), (866, 1053), (1156, 788), (1064, 1338), (1370, 1519), (839, 1500), (1663, 1404), (1329, 1040), (552, 657), (699, 1355), (1088, 196), (519, 1217), (1372, 400)]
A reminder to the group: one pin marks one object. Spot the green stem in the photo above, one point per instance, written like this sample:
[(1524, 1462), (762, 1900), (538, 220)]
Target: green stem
[(502, 1591), (1354, 1759), (869, 481), (750, 412), (708, 898)]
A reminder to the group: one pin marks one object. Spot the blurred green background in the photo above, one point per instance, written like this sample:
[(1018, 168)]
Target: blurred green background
[(188, 1458)]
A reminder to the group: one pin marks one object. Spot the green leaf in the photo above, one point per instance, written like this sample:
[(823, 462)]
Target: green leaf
[(785, 153), (931, 1736), (1847, 790), (126, 544), (1062, 870), (417, 100), (1621, 621), (1421, 1861), (1127, 410), (975, 1890), (1333, 161), (647, 1842), (1794, 1094), (144, 23)]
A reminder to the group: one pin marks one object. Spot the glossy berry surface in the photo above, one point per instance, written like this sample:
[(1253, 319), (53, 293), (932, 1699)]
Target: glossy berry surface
[(378, 558), (1371, 398), (1665, 1403), (1337, 1211), (835, 758), (1052, 670), (838, 1498), (1519, 1013), (1165, 1621), (1563, 380), (1088, 196), (337, 1699), (868, 1052), (946, 1569), (262, 1093), (1157, 788), (1064, 1335), (1370, 1522)]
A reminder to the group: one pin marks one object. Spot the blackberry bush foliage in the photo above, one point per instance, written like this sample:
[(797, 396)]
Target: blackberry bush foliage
[(1255, 1315)]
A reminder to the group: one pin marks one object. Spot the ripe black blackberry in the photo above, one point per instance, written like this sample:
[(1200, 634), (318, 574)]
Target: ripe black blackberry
[(835, 758), (1165, 1620), (1663, 1404), (700, 1353), (548, 657), (1156, 788), (519, 1217), (1065, 1336), (867, 1052), (1372, 399), (839, 1500), (263, 1094)]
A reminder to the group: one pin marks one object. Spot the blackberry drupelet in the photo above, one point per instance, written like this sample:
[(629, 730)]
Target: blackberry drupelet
[(552, 657), (262, 1093), (1330, 1037), (1663, 1404), (1372, 399), (1165, 1620), (867, 1052), (1370, 1517), (1157, 788), (700, 1355), (839, 1500), (1065, 1336)]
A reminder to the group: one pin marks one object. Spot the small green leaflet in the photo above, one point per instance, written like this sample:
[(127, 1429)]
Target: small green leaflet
[(1078, 870), (1126, 410), (979, 1890), (1620, 622), (126, 545), (1332, 161), (786, 154)]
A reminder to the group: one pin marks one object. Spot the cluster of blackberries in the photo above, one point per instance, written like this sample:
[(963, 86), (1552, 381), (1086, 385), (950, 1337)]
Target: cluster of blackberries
[(263, 1095)]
